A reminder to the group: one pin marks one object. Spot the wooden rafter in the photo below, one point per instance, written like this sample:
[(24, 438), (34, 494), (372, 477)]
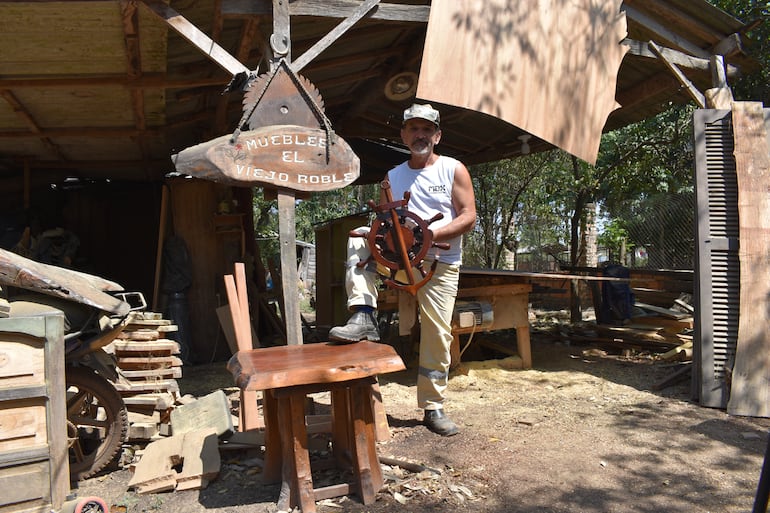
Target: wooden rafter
[(661, 83), (195, 36), (361, 11), (130, 18), (149, 80), (663, 34), (336, 9), (693, 91), (250, 35), (681, 59), (30, 121)]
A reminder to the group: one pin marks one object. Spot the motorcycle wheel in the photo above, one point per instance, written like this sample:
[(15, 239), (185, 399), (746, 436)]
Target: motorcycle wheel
[(97, 422)]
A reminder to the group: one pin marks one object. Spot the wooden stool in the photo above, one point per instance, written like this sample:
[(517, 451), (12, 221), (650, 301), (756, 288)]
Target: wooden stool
[(286, 375)]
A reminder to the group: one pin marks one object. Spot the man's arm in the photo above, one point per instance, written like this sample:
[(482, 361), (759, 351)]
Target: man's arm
[(464, 202)]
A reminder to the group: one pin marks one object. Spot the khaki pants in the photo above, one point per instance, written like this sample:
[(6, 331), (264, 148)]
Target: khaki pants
[(436, 299)]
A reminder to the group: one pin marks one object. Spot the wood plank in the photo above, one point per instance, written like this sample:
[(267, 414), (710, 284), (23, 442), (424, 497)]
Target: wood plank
[(289, 278), (750, 393), (198, 38), (165, 347), (170, 372), (140, 334), (462, 67), (282, 366), (148, 362), (665, 312), (329, 9)]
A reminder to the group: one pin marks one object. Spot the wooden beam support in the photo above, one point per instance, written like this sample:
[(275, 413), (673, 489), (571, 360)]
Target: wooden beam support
[(328, 9), (332, 36), (681, 59), (287, 237), (663, 33), (23, 114), (693, 91), (102, 132), (669, 14), (729, 46), (148, 80), (195, 36)]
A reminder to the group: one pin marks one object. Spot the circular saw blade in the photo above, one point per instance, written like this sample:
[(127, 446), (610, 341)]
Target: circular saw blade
[(279, 101)]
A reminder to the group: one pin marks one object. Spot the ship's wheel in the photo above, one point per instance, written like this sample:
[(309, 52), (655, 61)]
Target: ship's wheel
[(399, 240)]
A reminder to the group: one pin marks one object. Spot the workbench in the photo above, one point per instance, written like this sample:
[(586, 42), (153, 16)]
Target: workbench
[(507, 292)]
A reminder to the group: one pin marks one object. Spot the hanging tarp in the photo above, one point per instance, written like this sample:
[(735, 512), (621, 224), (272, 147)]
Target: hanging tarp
[(547, 66)]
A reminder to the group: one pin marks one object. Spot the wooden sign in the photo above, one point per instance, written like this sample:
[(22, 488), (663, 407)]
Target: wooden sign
[(282, 156)]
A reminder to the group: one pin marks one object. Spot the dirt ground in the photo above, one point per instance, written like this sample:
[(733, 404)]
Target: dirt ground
[(583, 431)]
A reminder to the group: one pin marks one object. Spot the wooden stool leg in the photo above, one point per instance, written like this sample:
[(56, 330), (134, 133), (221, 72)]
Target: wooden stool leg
[(297, 475), (382, 429), (366, 463), (341, 435), (271, 473)]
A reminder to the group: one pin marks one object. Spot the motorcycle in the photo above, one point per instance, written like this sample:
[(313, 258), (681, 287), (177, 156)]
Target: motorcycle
[(95, 311)]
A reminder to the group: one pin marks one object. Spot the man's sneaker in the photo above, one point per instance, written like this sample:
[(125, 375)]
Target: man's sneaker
[(360, 326), (436, 421)]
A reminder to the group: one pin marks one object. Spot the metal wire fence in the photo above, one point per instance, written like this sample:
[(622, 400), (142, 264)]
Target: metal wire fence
[(661, 235)]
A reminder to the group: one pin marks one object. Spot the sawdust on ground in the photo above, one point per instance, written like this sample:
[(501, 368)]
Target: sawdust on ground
[(583, 431)]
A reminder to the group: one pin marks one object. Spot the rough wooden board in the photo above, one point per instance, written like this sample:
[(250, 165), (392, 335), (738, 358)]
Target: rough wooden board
[(172, 373), (665, 312), (160, 401), (750, 389), (518, 61), (148, 362), (142, 430), (162, 345), (201, 460), (197, 452), (168, 385), (210, 411), (141, 334), (154, 472)]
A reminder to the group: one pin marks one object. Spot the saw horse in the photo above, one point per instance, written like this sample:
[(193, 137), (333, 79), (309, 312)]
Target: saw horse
[(399, 240)]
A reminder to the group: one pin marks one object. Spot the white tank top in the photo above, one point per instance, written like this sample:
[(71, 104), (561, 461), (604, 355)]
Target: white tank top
[(431, 192)]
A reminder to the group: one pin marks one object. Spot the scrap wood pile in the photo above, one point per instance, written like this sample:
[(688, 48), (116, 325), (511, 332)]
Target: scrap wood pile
[(148, 367), (660, 334)]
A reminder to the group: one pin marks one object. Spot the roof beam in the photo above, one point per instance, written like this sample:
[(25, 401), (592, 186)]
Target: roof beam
[(148, 80), (328, 9), (130, 19), (23, 114), (195, 36), (663, 33), (326, 41), (96, 132), (693, 91), (641, 49)]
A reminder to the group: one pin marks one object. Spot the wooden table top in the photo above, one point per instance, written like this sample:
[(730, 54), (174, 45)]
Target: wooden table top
[(305, 364)]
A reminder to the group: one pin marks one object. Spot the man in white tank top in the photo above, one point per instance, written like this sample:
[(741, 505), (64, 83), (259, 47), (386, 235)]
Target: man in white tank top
[(436, 183)]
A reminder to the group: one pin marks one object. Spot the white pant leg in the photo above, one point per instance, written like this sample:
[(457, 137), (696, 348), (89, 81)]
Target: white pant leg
[(360, 283), (437, 301)]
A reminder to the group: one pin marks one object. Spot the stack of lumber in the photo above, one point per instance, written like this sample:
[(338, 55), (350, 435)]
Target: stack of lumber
[(672, 321), (148, 369)]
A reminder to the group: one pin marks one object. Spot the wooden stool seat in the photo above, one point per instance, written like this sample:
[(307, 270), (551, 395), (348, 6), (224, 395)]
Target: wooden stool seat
[(286, 375)]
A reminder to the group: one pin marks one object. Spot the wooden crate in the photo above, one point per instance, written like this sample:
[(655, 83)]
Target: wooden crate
[(34, 466)]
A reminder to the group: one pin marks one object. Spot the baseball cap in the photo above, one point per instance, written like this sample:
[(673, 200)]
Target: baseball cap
[(423, 112)]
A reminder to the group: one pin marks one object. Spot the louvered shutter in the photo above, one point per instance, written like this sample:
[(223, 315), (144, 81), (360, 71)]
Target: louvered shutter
[(717, 265)]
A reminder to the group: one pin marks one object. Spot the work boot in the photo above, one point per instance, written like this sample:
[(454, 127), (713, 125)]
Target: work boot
[(361, 326), (436, 421)]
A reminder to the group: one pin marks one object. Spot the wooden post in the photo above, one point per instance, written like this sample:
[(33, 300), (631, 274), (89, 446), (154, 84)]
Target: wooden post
[(749, 394), (289, 279)]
